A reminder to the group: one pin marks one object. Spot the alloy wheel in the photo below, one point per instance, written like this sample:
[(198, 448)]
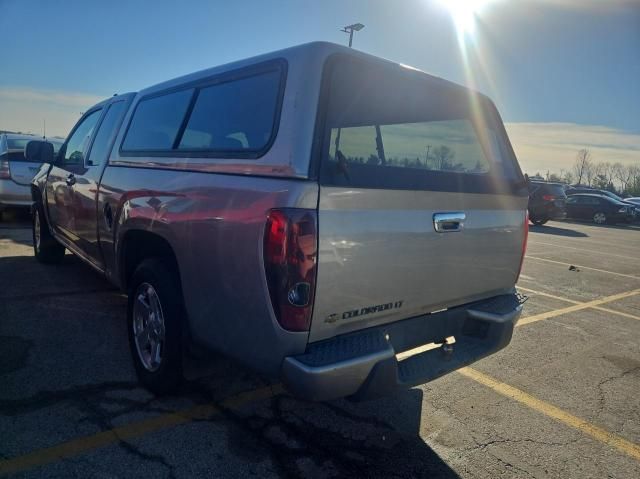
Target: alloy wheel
[(600, 218), (148, 327)]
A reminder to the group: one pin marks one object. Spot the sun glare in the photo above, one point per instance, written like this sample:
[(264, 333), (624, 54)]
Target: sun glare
[(464, 13)]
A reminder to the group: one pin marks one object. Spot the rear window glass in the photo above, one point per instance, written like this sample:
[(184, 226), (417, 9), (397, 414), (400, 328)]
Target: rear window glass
[(451, 145), (390, 127), (548, 189), (236, 115), (156, 122)]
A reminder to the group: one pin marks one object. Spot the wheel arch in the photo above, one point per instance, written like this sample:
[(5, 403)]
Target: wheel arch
[(136, 245)]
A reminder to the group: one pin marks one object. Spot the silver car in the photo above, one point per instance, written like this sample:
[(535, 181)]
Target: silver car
[(16, 172), (341, 222)]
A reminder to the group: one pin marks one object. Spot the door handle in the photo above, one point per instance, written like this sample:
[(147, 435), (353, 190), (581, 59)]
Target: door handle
[(71, 179), (448, 222)]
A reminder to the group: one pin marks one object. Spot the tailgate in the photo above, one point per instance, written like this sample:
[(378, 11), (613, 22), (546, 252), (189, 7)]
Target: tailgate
[(401, 151), (381, 259)]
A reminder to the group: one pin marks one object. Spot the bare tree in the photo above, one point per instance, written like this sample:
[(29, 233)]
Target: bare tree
[(590, 172), (567, 177), (633, 187), (443, 156), (607, 171), (582, 164), (622, 173)]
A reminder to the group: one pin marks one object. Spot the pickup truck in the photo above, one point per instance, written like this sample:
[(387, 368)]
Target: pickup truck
[(343, 223)]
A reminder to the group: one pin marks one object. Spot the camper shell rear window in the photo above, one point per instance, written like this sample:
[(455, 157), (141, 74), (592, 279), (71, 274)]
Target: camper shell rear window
[(386, 126)]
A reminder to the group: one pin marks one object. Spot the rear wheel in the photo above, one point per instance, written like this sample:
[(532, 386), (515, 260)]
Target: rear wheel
[(154, 318), (45, 247), (599, 218), (539, 222)]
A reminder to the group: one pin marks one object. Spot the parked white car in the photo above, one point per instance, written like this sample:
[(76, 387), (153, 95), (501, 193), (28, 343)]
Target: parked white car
[(16, 172)]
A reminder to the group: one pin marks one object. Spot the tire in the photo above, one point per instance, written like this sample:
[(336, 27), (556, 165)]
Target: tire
[(159, 325), (45, 247), (538, 222), (600, 218)]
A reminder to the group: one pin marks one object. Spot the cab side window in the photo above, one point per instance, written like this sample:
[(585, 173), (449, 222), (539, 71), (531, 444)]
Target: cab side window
[(103, 141), (77, 146)]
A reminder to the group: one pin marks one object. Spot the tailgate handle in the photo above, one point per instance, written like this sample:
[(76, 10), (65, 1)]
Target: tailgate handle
[(448, 222)]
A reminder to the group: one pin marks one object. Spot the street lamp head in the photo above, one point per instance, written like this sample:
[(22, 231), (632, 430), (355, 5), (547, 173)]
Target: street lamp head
[(356, 27)]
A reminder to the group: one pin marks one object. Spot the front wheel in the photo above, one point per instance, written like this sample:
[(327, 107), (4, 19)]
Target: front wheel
[(154, 318), (600, 218), (45, 247)]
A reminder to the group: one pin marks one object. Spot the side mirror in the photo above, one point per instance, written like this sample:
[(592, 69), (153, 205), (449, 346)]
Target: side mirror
[(39, 151)]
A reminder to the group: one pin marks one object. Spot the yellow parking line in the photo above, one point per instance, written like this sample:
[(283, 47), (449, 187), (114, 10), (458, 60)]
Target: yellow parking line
[(554, 412), (132, 430), (560, 298), (576, 307), (81, 445), (583, 267)]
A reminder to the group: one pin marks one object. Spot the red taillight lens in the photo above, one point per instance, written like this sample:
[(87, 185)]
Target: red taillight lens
[(548, 197), (290, 249), (5, 171), (524, 242)]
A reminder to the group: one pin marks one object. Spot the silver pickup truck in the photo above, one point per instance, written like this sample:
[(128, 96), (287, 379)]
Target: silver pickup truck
[(341, 222)]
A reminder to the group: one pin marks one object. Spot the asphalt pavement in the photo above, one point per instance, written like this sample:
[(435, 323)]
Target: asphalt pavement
[(562, 400)]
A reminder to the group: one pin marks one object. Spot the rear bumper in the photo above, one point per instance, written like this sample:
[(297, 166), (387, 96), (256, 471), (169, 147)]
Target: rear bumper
[(364, 364), (549, 211), (13, 194)]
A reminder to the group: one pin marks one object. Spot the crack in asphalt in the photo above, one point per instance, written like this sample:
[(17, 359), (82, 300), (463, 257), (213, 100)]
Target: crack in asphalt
[(43, 399), (343, 447), (485, 444), (95, 414), (512, 466), (601, 384)]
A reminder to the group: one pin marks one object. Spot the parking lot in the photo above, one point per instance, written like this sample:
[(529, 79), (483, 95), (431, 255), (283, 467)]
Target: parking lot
[(561, 401)]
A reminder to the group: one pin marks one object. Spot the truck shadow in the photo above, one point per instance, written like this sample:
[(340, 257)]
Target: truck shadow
[(557, 231), (86, 337), (375, 439)]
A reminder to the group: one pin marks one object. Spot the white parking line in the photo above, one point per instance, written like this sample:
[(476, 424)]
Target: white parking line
[(583, 267), (626, 257)]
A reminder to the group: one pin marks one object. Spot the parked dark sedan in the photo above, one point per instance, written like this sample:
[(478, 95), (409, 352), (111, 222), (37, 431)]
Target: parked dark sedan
[(598, 208), (580, 189), (546, 202)]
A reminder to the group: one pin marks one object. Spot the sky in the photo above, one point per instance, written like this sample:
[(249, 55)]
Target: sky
[(564, 74)]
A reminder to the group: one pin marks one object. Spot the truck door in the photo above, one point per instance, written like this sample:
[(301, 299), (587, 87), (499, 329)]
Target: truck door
[(85, 189), (61, 178)]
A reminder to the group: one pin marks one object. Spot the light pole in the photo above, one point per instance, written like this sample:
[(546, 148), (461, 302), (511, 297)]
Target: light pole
[(356, 27)]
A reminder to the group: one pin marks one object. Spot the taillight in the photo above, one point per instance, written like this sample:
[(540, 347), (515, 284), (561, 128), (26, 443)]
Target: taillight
[(524, 242), (5, 171), (290, 249), (548, 197)]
